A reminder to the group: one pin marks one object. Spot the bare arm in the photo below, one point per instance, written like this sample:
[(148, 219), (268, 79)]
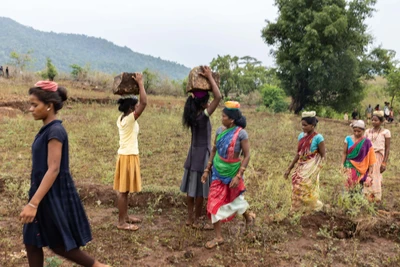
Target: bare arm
[(245, 146), (321, 149), (296, 159), (344, 154), (143, 96), (215, 90), (210, 162), (53, 161), (387, 151)]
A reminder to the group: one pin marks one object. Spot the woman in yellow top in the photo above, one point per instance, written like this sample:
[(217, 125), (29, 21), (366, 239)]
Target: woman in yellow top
[(127, 174)]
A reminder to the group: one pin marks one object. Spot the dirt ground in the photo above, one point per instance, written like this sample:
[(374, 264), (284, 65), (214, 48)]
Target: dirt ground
[(164, 240), (320, 239)]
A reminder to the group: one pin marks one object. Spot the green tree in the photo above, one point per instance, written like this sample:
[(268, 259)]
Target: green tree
[(76, 71), (393, 84), (151, 78), (229, 71), (51, 71), (184, 83), (274, 98), (379, 61), (252, 75), (319, 48), (21, 61)]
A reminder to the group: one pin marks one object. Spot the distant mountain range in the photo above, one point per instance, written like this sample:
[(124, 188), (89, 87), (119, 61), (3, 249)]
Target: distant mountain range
[(67, 49)]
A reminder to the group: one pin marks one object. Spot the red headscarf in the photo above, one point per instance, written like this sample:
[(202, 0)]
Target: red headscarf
[(47, 85)]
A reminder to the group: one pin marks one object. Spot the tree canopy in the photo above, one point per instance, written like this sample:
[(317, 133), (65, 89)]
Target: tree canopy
[(320, 47), (240, 75)]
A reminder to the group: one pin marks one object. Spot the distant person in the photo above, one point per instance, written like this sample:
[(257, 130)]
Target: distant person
[(391, 115), (54, 216), (127, 178), (380, 138), (386, 111), (355, 114), (377, 108), (346, 117), (368, 113), (7, 74), (1, 71), (196, 117)]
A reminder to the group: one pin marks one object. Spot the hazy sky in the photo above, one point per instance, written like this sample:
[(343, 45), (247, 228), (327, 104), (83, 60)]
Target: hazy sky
[(187, 32)]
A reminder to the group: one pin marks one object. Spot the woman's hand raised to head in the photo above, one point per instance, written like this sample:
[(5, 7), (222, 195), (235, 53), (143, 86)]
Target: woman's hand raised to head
[(206, 72), (138, 77)]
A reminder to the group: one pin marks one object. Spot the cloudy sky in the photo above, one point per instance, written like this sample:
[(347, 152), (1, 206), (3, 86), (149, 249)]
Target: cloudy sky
[(187, 32)]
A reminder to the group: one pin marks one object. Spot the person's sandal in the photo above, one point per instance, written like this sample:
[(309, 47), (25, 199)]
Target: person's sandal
[(213, 243), (129, 227)]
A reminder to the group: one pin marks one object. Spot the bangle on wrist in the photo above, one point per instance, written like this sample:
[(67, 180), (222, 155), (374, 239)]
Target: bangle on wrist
[(33, 206), (206, 170), (383, 164), (243, 168)]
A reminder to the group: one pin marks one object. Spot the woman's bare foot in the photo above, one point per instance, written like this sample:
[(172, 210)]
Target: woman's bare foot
[(133, 219), (98, 264), (189, 222), (250, 219)]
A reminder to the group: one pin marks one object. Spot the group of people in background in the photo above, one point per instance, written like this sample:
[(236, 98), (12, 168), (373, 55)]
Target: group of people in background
[(365, 157), (213, 171), (388, 113), (4, 73)]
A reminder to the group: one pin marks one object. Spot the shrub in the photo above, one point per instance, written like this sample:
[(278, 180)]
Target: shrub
[(274, 98)]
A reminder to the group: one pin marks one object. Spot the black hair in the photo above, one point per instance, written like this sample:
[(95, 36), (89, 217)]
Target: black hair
[(310, 120), (192, 107), (381, 119), (126, 104), (236, 116), (57, 98)]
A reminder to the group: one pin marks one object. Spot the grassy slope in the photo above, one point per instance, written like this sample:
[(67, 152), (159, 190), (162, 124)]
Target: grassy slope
[(163, 146)]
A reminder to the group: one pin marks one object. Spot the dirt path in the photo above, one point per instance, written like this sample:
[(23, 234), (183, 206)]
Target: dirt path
[(163, 239)]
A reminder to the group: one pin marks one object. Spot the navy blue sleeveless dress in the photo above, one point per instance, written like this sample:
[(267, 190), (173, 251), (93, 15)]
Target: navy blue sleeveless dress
[(61, 220)]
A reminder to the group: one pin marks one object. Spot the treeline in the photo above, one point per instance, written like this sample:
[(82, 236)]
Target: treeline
[(67, 49)]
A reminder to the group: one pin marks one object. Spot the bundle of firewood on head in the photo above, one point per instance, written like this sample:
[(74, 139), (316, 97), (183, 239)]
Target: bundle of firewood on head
[(197, 82), (124, 84)]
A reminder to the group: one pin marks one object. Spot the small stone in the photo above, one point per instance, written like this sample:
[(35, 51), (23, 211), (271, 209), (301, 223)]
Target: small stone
[(188, 254)]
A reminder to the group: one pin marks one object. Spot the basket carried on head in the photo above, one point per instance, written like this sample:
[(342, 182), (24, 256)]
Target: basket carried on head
[(124, 84), (197, 82)]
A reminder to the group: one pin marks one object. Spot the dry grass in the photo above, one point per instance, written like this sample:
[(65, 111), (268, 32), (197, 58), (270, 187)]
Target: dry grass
[(279, 239)]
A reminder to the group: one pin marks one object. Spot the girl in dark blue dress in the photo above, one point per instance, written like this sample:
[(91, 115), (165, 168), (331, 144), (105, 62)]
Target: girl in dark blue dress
[(54, 216)]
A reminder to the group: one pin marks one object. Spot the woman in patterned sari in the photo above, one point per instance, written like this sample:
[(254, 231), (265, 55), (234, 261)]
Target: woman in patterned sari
[(226, 191), (309, 156), (358, 157)]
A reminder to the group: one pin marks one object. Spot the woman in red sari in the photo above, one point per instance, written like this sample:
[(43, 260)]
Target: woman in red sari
[(226, 191)]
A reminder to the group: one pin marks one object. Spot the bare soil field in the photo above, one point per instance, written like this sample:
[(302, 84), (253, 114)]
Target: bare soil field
[(352, 234)]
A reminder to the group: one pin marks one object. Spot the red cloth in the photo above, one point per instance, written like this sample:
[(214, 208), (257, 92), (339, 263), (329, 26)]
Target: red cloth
[(220, 194), (47, 85)]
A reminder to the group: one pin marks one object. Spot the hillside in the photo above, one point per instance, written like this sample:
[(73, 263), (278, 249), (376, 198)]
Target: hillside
[(67, 49)]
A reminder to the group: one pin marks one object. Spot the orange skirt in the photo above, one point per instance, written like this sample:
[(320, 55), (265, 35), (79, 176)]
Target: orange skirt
[(127, 174)]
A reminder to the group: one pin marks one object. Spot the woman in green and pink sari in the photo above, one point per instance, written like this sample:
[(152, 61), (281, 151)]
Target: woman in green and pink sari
[(227, 187), (358, 157)]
